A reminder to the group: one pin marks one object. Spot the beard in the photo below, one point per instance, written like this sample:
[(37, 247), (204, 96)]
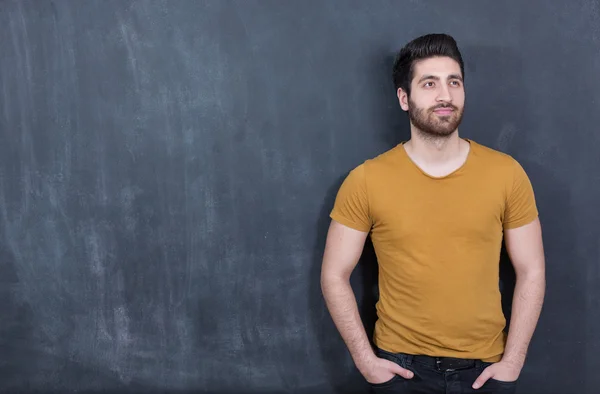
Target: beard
[(435, 126)]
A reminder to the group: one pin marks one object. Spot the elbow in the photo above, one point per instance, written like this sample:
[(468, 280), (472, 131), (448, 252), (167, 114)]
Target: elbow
[(535, 273), (533, 269), (332, 278)]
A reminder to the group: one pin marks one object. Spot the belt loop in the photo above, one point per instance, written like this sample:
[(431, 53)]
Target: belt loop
[(409, 360)]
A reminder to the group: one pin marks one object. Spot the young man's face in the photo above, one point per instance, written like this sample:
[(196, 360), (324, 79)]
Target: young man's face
[(437, 97)]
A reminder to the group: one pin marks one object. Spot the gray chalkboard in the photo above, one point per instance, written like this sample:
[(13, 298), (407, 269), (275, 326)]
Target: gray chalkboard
[(167, 169)]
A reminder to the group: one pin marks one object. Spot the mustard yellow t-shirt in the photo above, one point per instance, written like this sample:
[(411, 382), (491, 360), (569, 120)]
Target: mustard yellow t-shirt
[(438, 241)]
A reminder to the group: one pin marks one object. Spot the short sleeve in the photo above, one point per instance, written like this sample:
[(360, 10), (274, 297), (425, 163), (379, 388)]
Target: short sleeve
[(521, 206), (351, 207)]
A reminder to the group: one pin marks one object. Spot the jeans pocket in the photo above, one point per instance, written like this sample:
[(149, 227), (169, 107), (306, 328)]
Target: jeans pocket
[(502, 382), (503, 387), (390, 382), (486, 364), (396, 381)]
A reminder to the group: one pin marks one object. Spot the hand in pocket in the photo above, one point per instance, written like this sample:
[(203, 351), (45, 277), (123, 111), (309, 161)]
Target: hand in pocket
[(381, 370)]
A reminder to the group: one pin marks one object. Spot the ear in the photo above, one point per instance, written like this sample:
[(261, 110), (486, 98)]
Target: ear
[(402, 99)]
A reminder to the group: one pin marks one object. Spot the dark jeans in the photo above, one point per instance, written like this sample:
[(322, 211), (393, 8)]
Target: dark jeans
[(439, 376)]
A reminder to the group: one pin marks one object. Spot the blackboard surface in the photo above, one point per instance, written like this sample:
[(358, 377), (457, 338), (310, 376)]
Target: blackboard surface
[(167, 169)]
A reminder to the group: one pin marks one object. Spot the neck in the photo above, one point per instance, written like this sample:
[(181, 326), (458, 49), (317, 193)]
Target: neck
[(434, 150)]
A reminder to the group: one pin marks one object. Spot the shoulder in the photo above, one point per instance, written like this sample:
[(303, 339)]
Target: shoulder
[(382, 162), (491, 154), (370, 170), (376, 164), (501, 167), (494, 159)]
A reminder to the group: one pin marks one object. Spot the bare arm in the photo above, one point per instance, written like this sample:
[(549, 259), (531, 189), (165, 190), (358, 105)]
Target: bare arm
[(343, 249), (342, 252), (525, 249)]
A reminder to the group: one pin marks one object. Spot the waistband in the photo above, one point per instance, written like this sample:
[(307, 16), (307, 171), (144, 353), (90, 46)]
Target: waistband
[(437, 363)]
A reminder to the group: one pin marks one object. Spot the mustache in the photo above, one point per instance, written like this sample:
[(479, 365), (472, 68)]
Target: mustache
[(443, 106)]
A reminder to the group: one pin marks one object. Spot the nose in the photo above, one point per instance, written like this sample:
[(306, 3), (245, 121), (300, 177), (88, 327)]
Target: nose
[(444, 94)]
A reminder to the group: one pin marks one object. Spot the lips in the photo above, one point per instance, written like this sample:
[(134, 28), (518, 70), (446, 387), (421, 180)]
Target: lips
[(443, 111)]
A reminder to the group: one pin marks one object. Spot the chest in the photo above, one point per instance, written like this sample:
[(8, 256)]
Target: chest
[(439, 210)]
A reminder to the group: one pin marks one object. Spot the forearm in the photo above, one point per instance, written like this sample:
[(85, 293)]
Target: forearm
[(341, 302), (527, 304)]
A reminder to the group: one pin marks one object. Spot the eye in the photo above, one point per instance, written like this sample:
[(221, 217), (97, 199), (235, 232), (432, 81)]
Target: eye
[(455, 83), (428, 84)]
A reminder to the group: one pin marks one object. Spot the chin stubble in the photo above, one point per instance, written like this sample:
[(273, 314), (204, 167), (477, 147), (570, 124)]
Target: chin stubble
[(431, 128)]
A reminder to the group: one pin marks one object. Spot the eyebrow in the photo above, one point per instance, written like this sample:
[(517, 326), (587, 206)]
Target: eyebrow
[(436, 78)]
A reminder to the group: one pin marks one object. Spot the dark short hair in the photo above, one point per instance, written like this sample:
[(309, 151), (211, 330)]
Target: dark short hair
[(423, 47)]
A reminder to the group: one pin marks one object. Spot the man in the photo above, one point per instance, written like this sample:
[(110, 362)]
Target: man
[(437, 208)]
